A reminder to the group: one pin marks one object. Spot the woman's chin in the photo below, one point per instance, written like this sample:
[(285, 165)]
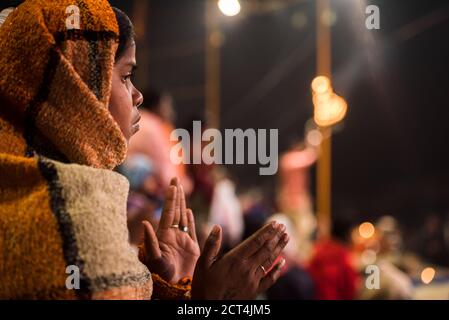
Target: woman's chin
[(134, 129)]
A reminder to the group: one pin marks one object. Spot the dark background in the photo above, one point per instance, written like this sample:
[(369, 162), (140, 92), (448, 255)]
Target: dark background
[(390, 156)]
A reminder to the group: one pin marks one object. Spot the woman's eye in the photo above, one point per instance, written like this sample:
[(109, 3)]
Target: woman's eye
[(127, 77)]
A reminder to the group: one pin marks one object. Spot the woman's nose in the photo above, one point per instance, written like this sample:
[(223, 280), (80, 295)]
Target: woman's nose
[(138, 98)]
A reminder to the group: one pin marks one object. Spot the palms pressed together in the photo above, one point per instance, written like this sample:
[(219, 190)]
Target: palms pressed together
[(172, 251)]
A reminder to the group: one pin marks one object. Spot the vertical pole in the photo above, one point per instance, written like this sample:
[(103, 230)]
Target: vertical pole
[(140, 15), (324, 163), (212, 65)]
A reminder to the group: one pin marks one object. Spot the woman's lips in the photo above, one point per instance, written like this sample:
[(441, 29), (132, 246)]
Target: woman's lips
[(136, 126)]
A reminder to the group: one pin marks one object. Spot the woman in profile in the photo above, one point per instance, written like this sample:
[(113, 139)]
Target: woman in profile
[(67, 110)]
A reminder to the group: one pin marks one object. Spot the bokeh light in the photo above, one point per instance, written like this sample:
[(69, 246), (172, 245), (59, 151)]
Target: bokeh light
[(366, 230), (368, 257), (314, 137), (321, 85), (427, 275), (229, 8)]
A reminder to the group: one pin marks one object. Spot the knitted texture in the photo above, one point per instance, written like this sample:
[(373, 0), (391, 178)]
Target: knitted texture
[(53, 215), (60, 204), (57, 81), (167, 291)]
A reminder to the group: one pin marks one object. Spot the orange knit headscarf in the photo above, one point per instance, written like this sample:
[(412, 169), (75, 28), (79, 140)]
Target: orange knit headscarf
[(55, 82)]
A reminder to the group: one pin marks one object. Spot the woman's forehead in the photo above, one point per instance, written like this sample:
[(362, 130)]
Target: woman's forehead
[(128, 59)]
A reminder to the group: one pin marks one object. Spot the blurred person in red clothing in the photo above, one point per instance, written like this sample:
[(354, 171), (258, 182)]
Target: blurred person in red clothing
[(332, 266)]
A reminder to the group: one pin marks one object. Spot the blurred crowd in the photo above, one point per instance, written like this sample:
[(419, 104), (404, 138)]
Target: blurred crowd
[(317, 267), (69, 111)]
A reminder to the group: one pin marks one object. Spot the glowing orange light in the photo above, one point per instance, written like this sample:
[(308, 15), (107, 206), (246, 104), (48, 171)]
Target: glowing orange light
[(321, 84), (366, 230), (329, 107), (427, 275), (330, 112)]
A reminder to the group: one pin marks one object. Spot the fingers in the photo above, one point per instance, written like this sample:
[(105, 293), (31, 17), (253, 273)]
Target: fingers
[(177, 218), (211, 248), (270, 245), (267, 255), (175, 212), (191, 225), (168, 214), (152, 250), (271, 277), (251, 245), (174, 181), (183, 222)]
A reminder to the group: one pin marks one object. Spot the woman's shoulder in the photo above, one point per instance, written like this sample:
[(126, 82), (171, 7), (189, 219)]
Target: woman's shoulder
[(72, 215), (88, 178)]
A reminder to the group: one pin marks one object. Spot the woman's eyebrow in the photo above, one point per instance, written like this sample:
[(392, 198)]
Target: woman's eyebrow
[(131, 65)]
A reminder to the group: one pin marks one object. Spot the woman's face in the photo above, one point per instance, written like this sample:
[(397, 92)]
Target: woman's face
[(125, 98)]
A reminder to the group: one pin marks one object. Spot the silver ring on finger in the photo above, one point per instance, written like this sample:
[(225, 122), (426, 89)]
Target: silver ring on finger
[(185, 229), (263, 269)]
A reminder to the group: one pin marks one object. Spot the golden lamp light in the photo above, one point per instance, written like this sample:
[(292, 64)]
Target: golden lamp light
[(330, 108)]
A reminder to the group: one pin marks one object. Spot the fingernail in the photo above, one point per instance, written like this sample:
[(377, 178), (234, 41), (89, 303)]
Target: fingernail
[(277, 274), (215, 231), (279, 228), (282, 228), (282, 263)]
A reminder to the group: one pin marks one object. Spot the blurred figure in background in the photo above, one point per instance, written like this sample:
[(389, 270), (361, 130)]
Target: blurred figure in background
[(295, 282), (333, 267), (203, 181), (395, 284), (153, 138), (293, 200), (433, 246), (390, 241), (446, 237), (255, 211), (145, 197), (293, 196), (225, 209)]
